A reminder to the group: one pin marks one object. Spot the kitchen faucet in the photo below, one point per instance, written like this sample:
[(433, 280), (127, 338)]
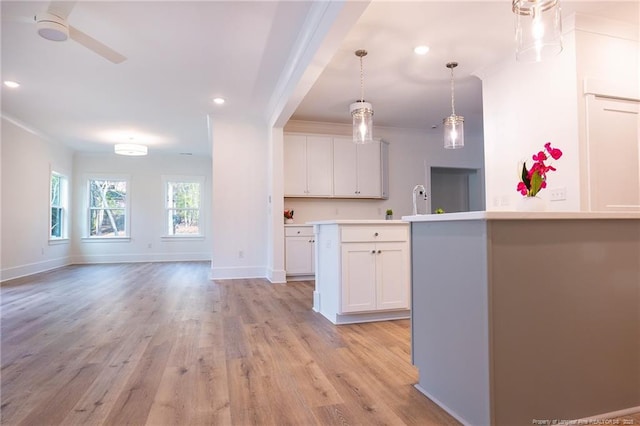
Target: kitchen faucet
[(419, 190)]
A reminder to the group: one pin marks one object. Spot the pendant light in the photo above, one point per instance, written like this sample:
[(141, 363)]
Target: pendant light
[(454, 124), (361, 111), (538, 29)]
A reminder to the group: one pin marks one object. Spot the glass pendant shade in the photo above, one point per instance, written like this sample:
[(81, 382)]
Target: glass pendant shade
[(538, 29), (453, 132), (454, 124), (362, 113)]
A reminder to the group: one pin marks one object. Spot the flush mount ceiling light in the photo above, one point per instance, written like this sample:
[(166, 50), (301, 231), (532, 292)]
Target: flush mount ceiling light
[(538, 29), (361, 111), (454, 124), (130, 149), (421, 50), (218, 101), (11, 84)]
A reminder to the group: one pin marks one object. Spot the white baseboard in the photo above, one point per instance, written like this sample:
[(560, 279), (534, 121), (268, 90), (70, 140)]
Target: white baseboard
[(277, 276), (33, 268), (230, 273)]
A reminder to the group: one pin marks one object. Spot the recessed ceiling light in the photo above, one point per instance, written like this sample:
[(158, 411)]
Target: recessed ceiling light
[(421, 50), (11, 84), (218, 101)]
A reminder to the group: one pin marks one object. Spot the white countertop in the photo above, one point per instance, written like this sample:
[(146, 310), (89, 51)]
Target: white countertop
[(512, 215), (358, 222)]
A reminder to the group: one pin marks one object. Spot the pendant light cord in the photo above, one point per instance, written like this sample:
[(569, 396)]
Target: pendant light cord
[(453, 103), (361, 81)]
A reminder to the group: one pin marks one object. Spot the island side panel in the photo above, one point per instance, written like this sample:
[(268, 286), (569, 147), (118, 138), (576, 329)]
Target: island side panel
[(565, 318), (450, 341), (326, 297)]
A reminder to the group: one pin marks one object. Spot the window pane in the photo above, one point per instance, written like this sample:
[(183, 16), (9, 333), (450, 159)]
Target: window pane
[(56, 222), (108, 194), (55, 190), (183, 195), (106, 222), (184, 222)]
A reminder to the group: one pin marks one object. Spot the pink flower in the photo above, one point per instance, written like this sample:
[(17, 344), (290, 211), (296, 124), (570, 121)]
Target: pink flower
[(540, 157), (522, 188), (555, 153), (534, 179)]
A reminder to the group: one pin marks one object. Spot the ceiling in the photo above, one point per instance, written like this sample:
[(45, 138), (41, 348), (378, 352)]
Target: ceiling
[(180, 55)]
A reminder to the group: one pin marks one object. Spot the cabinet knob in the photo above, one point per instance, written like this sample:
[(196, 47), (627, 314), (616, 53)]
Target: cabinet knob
[(379, 251), (298, 232), (373, 252), (376, 234)]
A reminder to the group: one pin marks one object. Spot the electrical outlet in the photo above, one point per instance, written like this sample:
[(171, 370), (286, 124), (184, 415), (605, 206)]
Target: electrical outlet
[(558, 194)]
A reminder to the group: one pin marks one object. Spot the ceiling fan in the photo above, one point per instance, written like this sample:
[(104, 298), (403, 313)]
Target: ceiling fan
[(52, 25)]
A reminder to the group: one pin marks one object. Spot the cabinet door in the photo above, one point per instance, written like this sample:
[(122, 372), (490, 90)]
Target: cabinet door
[(369, 179), (299, 256), (344, 168), (392, 276), (358, 291), (295, 165), (319, 166), (614, 171)]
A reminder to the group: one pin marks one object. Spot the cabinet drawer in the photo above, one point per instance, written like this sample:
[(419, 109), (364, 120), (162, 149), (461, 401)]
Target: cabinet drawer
[(298, 231), (374, 233)]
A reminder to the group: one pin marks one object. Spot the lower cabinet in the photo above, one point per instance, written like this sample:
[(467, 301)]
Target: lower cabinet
[(374, 276), (363, 271), (299, 250)]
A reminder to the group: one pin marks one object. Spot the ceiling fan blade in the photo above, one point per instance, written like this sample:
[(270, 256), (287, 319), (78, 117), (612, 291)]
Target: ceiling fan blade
[(61, 8), (98, 47)]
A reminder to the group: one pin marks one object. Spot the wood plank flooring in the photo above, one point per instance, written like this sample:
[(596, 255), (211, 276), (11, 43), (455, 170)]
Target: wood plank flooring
[(161, 344)]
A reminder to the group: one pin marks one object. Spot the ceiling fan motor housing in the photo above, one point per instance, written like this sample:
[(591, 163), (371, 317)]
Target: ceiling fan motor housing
[(52, 27)]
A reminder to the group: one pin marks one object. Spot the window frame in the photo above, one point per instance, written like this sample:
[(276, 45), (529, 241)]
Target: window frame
[(168, 179), (63, 206), (126, 232)]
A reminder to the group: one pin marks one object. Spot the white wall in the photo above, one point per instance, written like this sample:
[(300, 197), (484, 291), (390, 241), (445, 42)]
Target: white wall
[(241, 214), (526, 105), (409, 151), (27, 160), (146, 200)]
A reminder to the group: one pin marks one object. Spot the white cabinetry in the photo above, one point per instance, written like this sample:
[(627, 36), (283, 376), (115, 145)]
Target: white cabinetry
[(358, 169), (334, 167), (299, 250), (363, 271), (308, 166)]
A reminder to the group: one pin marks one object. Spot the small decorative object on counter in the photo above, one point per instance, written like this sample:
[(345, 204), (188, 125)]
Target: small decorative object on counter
[(438, 211), (534, 179), (288, 216), (389, 214)]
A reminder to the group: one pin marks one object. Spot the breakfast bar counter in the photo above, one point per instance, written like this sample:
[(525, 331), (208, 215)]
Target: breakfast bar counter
[(520, 318)]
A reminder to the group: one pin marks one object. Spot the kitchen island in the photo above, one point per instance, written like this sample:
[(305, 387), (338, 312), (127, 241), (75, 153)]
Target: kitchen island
[(362, 270), (520, 318)]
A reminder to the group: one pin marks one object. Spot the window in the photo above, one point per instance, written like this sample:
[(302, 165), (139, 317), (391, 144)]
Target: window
[(182, 208), (58, 204), (108, 208)]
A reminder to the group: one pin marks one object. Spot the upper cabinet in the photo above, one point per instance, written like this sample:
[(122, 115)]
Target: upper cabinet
[(308, 166), (356, 170)]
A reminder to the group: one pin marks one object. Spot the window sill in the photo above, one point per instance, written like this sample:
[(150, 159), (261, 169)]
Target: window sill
[(182, 237), (106, 239), (56, 241)]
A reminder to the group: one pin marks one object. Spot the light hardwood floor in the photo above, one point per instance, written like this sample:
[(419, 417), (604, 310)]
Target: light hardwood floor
[(162, 344)]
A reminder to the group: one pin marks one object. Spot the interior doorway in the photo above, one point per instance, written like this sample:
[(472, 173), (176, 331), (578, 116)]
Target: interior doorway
[(454, 189)]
